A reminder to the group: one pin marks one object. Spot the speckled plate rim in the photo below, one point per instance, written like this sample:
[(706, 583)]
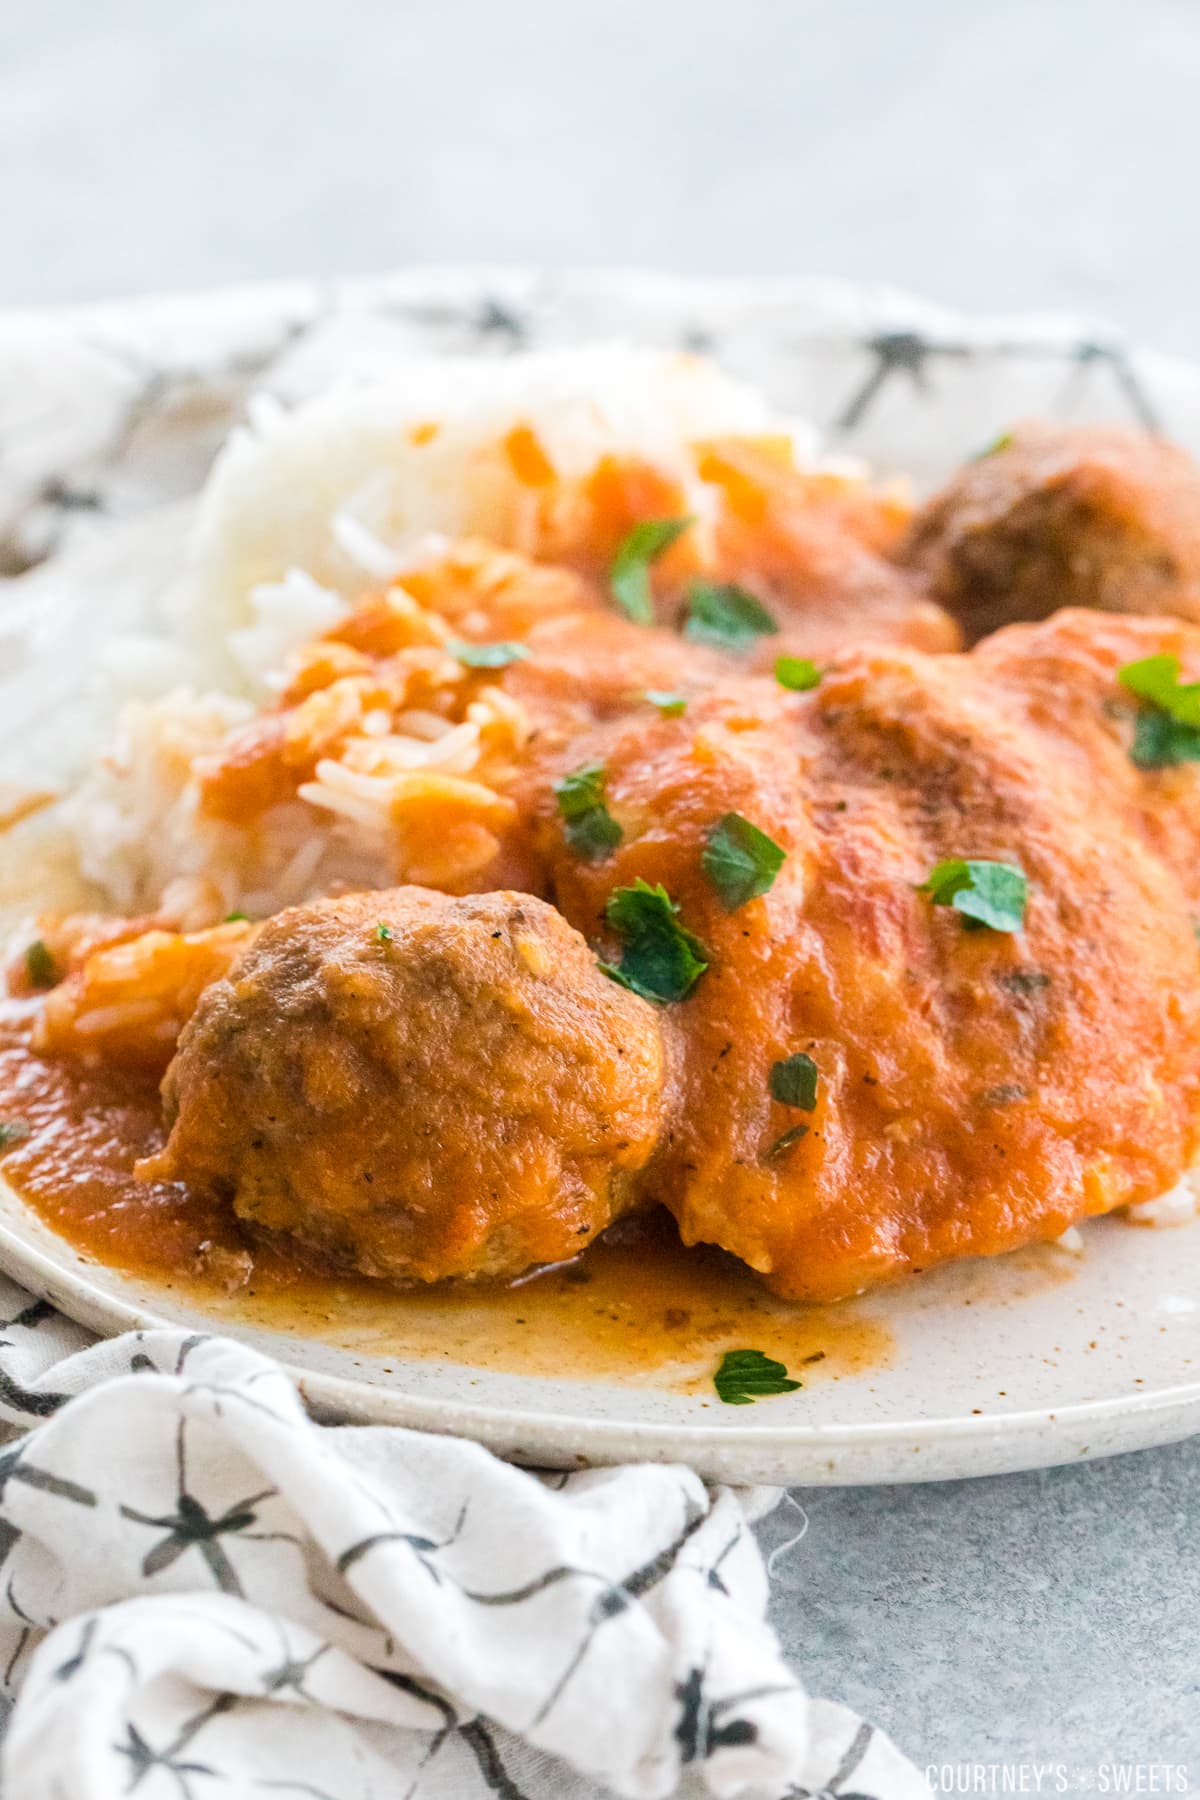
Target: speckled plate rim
[(925, 1449)]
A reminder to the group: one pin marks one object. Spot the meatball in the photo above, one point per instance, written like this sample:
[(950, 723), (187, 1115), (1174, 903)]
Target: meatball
[(1058, 516), (418, 1086)]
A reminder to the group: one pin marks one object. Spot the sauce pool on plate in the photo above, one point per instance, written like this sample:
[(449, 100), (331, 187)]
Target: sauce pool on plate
[(636, 1308)]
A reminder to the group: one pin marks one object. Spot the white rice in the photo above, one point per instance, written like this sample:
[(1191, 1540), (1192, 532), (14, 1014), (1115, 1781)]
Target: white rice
[(338, 489), (303, 513)]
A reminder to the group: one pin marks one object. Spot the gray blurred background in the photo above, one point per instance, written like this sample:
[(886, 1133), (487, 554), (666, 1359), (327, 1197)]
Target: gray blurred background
[(992, 153), (989, 153)]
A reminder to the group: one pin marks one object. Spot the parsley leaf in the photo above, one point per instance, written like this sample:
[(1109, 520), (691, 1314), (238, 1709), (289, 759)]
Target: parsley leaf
[(793, 1082), (669, 704), (786, 1141), (997, 444), (661, 959), (986, 893), (740, 860), (12, 1131), (747, 1375), (629, 577), (1156, 679), (589, 827), (487, 656), (1168, 727), (235, 918), (726, 616), (39, 965), (1161, 742), (384, 932), (797, 673)]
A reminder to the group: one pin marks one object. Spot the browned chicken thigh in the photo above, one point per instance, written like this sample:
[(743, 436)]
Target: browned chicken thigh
[(963, 1089)]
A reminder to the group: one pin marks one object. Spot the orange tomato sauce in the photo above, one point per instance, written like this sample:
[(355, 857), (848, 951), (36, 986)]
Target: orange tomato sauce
[(636, 1307)]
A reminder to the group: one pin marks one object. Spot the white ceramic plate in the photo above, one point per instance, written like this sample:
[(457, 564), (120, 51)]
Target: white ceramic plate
[(1039, 1358)]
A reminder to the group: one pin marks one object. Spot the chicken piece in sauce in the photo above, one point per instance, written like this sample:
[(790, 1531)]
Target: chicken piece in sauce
[(1058, 516), (418, 1087), (974, 1089)]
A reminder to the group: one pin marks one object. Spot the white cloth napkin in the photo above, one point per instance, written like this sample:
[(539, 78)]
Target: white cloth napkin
[(205, 1592)]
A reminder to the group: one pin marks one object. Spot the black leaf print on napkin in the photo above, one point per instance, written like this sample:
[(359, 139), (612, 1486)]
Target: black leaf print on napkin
[(31, 1316), (303, 1788), (13, 1467), (423, 1547), (74, 1663), (714, 1574), (408, 1684), (23, 1399), (494, 319), (28, 1626), (497, 1777), (290, 1673), (1123, 375), (190, 1527), (702, 1728), (911, 352), (859, 1746), (143, 1757), (612, 1599), (893, 351)]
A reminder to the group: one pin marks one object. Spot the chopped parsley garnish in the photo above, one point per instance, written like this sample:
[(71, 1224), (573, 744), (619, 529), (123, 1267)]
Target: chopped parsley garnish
[(1168, 726), (740, 860), (629, 577), (384, 932), (235, 918), (588, 826), (726, 616), (661, 960), (985, 893), (797, 673), (12, 1131), (785, 1142), (793, 1082), (1161, 742), (993, 449), (747, 1375), (39, 965), (487, 656), (669, 704)]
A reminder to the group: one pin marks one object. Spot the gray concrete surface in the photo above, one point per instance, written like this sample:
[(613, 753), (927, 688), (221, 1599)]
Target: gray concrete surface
[(1047, 1618), (993, 153)]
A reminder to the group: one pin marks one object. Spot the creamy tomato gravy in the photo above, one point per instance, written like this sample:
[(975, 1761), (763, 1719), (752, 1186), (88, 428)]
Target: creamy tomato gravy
[(86, 1129), (635, 1307)]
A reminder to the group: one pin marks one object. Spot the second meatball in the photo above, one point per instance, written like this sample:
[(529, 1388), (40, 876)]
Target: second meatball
[(1058, 516)]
